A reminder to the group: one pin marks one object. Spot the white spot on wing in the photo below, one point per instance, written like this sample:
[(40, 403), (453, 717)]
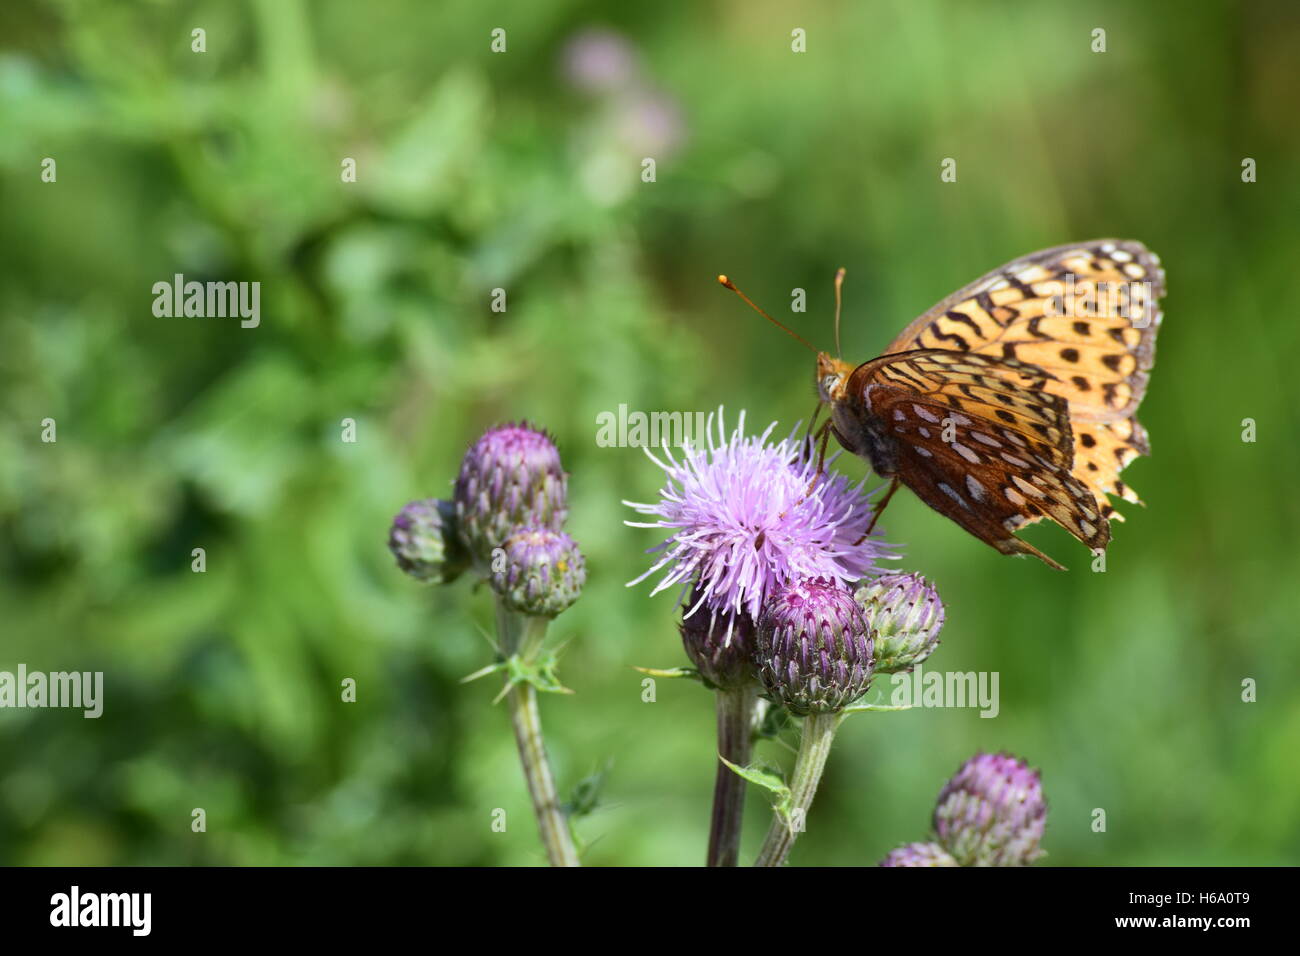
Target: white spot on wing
[(952, 493), (1027, 488), (966, 453)]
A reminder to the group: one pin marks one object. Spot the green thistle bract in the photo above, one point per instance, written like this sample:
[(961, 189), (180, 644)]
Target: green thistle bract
[(905, 615), (424, 540)]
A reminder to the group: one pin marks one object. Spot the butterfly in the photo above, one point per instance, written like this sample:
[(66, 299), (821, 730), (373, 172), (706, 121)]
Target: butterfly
[(1015, 398)]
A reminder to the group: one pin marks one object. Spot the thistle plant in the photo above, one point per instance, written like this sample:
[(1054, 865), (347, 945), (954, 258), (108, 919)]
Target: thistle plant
[(813, 653), (906, 615), (746, 516), (919, 854), (510, 478), (425, 540), (990, 813), (505, 522)]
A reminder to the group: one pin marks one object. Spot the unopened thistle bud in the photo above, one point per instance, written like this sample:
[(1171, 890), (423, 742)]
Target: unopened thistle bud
[(919, 854), (511, 478), (992, 812), (905, 615), (719, 643), (542, 572), (813, 647), (424, 541)]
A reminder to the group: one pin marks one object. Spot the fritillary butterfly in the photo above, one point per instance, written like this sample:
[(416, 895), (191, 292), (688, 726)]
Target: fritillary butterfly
[(1015, 398)]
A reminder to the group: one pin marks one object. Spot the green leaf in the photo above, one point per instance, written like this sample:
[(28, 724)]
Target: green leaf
[(765, 778), (689, 673), (585, 796), (873, 708)]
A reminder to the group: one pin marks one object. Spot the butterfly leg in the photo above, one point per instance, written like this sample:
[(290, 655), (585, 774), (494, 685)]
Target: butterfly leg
[(822, 437), (808, 441), (893, 486)]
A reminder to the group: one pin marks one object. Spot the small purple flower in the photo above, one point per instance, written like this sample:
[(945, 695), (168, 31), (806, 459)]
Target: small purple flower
[(720, 644), (424, 541), (510, 478), (813, 647), (600, 61), (906, 614), (542, 572), (919, 854), (746, 516), (992, 812)]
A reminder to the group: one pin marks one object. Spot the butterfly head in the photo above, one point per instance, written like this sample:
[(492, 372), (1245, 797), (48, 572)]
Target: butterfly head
[(832, 378)]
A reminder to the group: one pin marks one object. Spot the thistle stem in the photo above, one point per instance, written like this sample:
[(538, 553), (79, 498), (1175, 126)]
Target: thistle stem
[(522, 635), (814, 748), (736, 709)]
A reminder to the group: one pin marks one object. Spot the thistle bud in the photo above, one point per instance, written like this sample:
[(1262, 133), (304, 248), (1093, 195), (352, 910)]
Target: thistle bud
[(719, 643), (542, 574), (919, 854), (424, 541), (511, 478), (906, 616), (992, 812), (813, 647)]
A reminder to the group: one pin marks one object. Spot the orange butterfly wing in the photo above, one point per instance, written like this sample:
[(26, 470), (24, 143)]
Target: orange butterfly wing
[(981, 441), (1087, 313)]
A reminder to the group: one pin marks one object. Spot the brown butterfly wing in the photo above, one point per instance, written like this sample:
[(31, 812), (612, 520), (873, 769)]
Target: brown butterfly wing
[(1086, 313), (982, 442)]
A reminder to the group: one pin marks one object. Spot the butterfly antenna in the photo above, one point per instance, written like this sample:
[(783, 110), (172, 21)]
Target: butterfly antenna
[(839, 287), (723, 280)]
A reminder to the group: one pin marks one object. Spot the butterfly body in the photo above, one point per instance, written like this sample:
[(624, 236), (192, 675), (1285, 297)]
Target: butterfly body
[(1015, 398), (857, 430)]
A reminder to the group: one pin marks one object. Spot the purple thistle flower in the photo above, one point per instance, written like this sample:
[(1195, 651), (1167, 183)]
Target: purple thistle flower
[(813, 647), (744, 521), (543, 572), (600, 61), (992, 812), (510, 478), (720, 645), (918, 854)]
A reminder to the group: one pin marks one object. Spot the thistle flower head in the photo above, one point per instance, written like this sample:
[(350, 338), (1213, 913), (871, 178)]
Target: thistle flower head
[(906, 615), (813, 648), (509, 479), (542, 574), (992, 812), (919, 854), (745, 516), (719, 643), (423, 538)]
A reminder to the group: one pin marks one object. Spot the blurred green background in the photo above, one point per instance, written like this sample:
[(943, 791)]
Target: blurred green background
[(522, 170)]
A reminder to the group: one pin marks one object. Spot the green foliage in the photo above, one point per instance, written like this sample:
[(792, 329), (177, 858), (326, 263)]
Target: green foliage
[(479, 171)]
